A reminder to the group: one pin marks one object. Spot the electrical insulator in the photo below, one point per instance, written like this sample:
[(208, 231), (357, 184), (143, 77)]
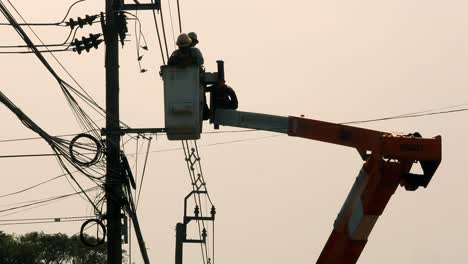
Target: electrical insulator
[(80, 22), (204, 234), (78, 46), (213, 211), (124, 228), (93, 41), (196, 211), (85, 43), (122, 25)]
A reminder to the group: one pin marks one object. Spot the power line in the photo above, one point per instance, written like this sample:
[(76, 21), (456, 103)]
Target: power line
[(405, 116), (164, 32), (178, 14), (159, 35), (171, 20), (33, 186), (34, 138), (47, 200), (82, 118), (252, 130), (74, 134), (50, 23), (42, 222), (143, 173), (36, 200), (25, 46), (53, 221), (34, 52), (402, 116), (31, 155), (44, 218), (39, 155)]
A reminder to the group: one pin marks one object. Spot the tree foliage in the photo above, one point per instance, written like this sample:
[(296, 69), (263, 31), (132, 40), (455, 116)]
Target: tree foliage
[(40, 248)]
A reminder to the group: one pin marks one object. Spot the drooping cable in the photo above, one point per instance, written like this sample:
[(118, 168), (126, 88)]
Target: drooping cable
[(190, 161), (46, 200), (70, 8), (33, 186), (43, 218), (58, 145), (164, 32), (65, 86), (50, 23), (139, 36), (32, 52), (171, 20), (178, 15), (66, 42), (198, 183), (82, 118), (404, 116), (143, 172), (159, 36)]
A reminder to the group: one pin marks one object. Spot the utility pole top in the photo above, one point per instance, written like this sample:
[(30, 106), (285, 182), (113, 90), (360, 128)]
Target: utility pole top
[(113, 28)]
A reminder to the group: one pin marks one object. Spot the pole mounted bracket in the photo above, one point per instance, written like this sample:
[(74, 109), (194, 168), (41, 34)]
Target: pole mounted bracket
[(138, 6)]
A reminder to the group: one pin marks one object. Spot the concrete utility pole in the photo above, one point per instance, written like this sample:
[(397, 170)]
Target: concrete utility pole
[(114, 192)]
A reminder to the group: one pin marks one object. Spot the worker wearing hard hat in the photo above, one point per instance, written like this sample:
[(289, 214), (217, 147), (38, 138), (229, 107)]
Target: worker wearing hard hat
[(223, 96), (193, 36), (186, 54)]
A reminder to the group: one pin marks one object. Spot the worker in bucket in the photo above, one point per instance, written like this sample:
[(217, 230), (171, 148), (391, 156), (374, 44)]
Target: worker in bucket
[(185, 55), (223, 95), (194, 37)]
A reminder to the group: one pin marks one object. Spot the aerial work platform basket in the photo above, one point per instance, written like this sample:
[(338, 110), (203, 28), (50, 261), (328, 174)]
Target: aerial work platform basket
[(183, 102)]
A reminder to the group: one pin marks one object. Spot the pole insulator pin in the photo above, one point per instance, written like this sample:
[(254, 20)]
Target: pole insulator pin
[(213, 211), (196, 211)]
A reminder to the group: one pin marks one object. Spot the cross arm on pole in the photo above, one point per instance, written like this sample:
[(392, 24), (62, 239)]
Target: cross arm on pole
[(153, 6)]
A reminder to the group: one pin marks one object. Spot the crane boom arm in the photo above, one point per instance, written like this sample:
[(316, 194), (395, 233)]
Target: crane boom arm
[(391, 146), (388, 160)]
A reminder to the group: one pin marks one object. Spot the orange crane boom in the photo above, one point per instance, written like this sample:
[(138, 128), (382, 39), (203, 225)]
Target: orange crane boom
[(388, 160)]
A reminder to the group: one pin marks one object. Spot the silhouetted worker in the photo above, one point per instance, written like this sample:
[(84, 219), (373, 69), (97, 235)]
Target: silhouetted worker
[(194, 37), (185, 55), (223, 96)]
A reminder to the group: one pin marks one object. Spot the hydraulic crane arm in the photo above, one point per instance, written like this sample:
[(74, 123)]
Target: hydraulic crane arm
[(388, 162)]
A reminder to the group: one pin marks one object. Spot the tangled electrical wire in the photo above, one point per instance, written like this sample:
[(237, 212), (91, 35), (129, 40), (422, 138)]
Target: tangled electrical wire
[(68, 153), (84, 152), (60, 23), (65, 45)]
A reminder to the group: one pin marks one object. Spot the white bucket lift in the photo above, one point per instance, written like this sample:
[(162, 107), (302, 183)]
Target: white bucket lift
[(183, 102)]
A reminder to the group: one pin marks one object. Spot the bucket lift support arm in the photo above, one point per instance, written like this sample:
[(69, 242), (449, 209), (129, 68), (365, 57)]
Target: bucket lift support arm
[(387, 159)]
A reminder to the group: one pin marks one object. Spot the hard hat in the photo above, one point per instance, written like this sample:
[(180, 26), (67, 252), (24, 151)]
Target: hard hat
[(194, 37), (183, 41)]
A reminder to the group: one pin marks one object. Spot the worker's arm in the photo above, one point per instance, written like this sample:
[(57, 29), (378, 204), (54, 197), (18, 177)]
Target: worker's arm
[(234, 104), (198, 56)]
